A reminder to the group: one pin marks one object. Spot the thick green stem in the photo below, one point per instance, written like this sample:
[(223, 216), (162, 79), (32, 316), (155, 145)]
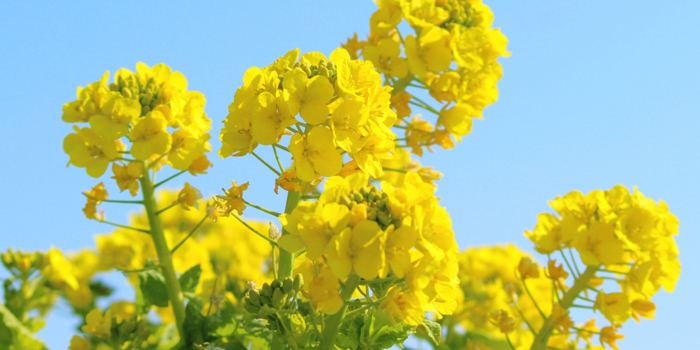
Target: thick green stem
[(330, 329), (164, 256), (567, 302), (286, 262)]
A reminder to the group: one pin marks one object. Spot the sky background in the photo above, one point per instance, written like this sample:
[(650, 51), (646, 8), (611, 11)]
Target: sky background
[(595, 94)]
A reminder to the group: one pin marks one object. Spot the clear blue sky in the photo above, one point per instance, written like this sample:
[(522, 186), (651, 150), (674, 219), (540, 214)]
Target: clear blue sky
[(595, 94)]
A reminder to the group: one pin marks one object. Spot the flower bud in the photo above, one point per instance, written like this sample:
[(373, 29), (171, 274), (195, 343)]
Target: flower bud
[(298, 282), (274, 232)]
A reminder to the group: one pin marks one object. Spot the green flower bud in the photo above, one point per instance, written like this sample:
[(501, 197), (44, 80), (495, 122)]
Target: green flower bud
[(298, 282), (266, 290), (278, 298), (287, 285), (254, 297), (276, 284)]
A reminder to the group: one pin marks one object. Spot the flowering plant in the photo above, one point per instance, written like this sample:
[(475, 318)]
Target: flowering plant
[(365, 256)]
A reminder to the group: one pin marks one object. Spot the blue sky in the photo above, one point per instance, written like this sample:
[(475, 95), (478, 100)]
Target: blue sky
[(595, 94)]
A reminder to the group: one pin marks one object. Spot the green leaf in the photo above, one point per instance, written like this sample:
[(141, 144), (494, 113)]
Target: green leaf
[(383, 334), (194, 325), (190, 279), (14, 335), (434, 330), (153, 288)]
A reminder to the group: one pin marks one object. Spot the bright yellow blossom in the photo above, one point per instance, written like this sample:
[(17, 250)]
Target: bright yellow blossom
[(98, 325), (89, 150), (233, 200), (307, 96), (429, 52), (528, 269), (315, 153), (200, 165), (271, 116), (79, 343), (127, 176), (385, 56), (614, 306), (608, 335), (188, 197), (149, 136)]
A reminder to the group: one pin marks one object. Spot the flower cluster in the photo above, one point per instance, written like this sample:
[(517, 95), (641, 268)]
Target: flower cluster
[(619, 236), (397, 234), (452, 54), (139, 107), (342, 105)]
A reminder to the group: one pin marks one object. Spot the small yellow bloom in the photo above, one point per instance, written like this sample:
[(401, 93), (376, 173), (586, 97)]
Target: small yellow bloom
[(97, 325), (385, 56), (528, 269), (149, 136), (587, 331), (502, 320), (359, 249), (188, 197), (608, 335), (89, 150), (79, 343), (400, 104), (429, 52), (406, 306), (200, 165), (458, 119), (127, 176), (270, 117), (187, 145), (643, 308), (288, 181), (353, 46), (560, 319), (614, 306), (308, 97), (556, 272), (123, 311), (315, 153), (598, 245), (233, 200)]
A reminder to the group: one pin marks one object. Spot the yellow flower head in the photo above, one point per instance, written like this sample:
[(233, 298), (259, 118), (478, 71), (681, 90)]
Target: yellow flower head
[(609, 335), (233, 200), (149, 136), (528, 269), (98, 325), (188, 197), (89, 150), (127, 176), (556, 272)]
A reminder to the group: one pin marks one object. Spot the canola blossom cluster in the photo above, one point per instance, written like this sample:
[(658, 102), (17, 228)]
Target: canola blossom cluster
[(626, 246), (394, 234), (223, 270), (141, 108), (451, 54), (341, 104)]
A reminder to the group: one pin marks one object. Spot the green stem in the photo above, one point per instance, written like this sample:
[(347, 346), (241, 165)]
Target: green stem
[(164, 256), (286, 261), (567, 302), (267, 165), (112, 200), (267, 211), (256, 231), (168, 179), (190, 234), (122, 226), (333, 322)]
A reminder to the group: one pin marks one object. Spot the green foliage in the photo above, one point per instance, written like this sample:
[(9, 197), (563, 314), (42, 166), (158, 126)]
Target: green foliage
[(189, 281), (14, 335), (152, 285)]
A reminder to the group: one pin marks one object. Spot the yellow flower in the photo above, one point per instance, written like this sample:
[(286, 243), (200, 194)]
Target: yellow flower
[(429, 52), (598, 245), (643, 308), (123, 311), (97, 325), (528, 269), (89, 150), (502, 320), (424, 13), (315, 153), (58, 270), (321, 288), (556, 272), (187, 145), (79, 343), (189, 196), (359, 249), (127, 176), (308, 97), (551, 234), (200, 165), (608, 335), (270, 118), (406, 306), (386, 18), (88, 102), (353, 46), (587, 331), (149, 136), (444, 87), (400, 104), (119, 113), (614, 306), (233, 200), (385, 56), (399, 242), (458, 119), (288, 181), (560, 319)]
